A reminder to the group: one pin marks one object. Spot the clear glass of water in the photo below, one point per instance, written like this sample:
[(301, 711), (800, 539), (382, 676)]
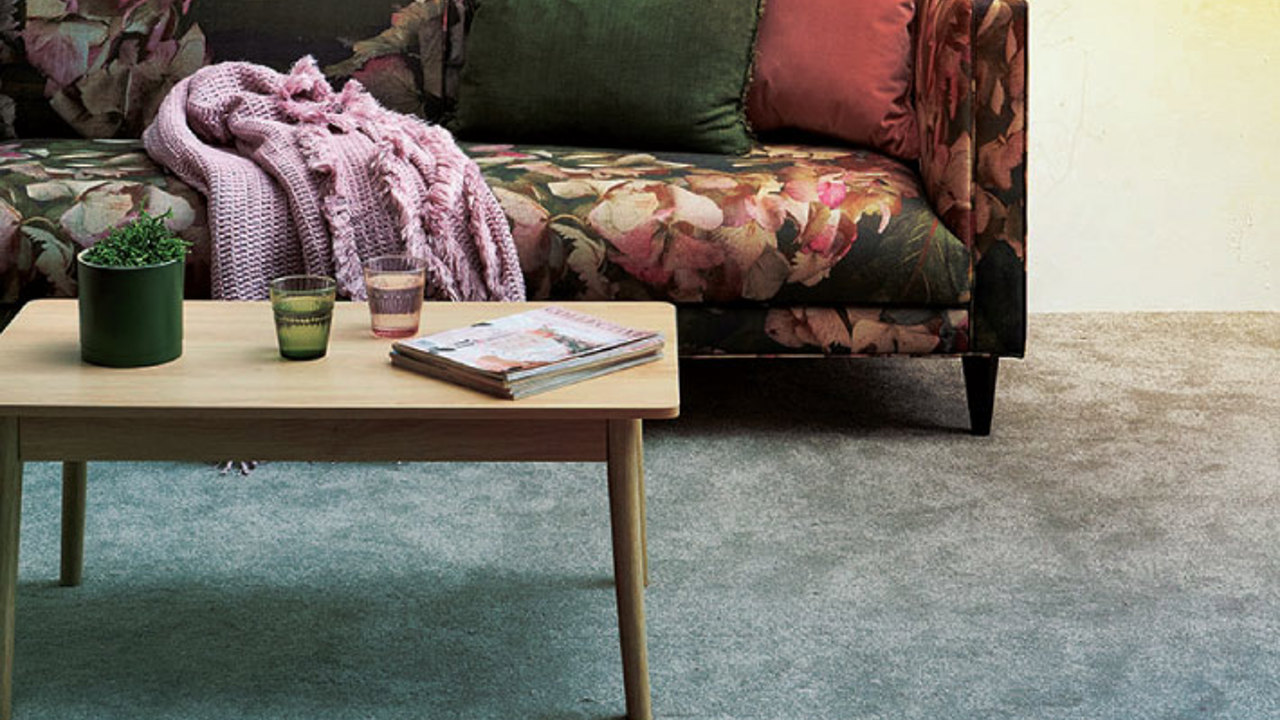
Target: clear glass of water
[(395, 285)]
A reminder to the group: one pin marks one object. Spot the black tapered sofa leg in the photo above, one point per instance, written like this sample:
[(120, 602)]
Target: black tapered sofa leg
[(980, 388)]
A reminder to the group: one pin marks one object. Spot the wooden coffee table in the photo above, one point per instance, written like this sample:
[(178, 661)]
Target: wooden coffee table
[(231, 396)]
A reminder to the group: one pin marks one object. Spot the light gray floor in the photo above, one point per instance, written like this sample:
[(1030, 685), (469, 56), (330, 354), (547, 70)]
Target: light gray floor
[(826, 541)]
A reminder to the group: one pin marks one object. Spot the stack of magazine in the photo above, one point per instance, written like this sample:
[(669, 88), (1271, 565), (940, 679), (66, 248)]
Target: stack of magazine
[(528, 353)]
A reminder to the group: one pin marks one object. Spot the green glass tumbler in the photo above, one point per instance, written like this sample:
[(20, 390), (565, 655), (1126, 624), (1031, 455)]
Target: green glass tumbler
[(303, 306)]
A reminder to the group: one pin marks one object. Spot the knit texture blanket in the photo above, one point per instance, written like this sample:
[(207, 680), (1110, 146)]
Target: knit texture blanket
[(300, 178)]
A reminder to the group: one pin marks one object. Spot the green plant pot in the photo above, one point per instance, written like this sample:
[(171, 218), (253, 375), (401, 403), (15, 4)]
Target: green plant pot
[(130, 317)]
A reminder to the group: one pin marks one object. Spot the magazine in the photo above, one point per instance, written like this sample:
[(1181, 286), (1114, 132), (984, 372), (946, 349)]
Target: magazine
[(526, 387), (529, 344)]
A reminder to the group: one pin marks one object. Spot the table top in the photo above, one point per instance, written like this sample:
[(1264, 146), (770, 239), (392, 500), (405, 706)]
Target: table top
[(230, 368)]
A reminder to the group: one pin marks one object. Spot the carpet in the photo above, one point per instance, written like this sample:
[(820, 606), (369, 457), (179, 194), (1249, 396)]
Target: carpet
[(826, 541)]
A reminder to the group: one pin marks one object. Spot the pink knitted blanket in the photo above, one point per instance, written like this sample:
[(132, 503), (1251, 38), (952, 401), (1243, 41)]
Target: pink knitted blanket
[(300, 178)]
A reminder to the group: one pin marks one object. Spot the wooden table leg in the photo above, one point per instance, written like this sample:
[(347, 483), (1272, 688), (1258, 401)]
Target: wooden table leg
[(644, 518), (625, 467), (74, 492), (10, 522)]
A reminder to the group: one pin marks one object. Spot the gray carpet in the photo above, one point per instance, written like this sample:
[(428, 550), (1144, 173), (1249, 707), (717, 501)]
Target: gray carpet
[(826, 542)]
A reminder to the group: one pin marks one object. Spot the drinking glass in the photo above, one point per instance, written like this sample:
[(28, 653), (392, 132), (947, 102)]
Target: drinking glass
[(303, 306), (395, 285)]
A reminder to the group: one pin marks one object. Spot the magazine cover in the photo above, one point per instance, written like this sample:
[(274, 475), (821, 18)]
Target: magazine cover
[(523, 341)]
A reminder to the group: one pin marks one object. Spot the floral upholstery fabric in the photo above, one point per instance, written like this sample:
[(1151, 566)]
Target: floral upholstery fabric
[(971, 65), (414, 65), (710, 331), (58, 197), (1000, 195), (98, 68), (785, 224), (108, 64), (11, 56)]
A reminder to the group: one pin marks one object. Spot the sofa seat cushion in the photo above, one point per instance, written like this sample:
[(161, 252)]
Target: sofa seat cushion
[(785, 224), (58, 197)]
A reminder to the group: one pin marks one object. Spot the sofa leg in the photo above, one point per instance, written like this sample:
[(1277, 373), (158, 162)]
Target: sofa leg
[(980, 388)]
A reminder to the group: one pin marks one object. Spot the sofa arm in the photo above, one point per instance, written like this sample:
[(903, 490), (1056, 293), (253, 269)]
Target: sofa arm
[(970, 93)]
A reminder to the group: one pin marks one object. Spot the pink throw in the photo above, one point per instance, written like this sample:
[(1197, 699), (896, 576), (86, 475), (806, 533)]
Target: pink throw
[(300, 178)]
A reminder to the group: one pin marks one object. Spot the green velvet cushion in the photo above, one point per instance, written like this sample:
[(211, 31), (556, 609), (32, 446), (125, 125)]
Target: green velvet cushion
[(660, 74)]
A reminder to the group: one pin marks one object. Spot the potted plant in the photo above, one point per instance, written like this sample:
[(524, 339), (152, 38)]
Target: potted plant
[(131, 295)]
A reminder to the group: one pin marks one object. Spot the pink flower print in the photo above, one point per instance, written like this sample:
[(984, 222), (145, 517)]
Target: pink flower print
[(832, 193), (755, 198), (801, 327), (636, 217)]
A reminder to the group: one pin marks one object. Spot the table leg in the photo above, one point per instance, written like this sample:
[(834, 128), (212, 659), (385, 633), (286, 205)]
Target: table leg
[(10, 522), (626, 452), (74, 491), (644, 519)]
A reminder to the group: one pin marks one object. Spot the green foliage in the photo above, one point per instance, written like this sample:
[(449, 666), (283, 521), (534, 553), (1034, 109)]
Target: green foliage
[(145, 241)]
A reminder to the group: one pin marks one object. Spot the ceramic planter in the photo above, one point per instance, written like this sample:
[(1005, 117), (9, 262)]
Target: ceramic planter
[(130, 317)]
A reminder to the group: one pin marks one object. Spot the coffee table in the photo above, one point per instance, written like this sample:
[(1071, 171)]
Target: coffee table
[(231, 396)]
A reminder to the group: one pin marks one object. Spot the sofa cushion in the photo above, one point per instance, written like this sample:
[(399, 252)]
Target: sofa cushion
[(59, 196), (785, 224), (666, 74), (838, 68)]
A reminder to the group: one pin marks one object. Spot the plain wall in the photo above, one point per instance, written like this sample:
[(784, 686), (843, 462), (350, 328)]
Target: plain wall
[(1154, 169)]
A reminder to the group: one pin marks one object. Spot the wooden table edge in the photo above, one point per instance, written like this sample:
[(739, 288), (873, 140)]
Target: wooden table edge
[(494, 414)]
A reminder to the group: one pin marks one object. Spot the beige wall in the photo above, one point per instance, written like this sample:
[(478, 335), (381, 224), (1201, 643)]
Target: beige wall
[(1154, 155)]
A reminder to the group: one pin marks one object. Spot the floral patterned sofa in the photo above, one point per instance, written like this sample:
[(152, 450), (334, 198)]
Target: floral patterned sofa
[(790, 250)]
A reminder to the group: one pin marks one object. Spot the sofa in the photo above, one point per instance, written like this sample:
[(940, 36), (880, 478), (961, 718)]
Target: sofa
[(803, 246)]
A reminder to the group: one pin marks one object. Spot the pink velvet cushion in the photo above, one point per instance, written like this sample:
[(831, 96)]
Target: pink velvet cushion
[(837, 67)]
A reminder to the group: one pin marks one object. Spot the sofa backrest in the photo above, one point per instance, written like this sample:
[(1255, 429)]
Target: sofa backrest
[(278, 33), (99, 67)]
